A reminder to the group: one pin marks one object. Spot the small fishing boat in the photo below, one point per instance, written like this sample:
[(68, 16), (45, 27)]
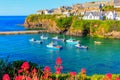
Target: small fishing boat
[(57, 39), (81, 47), (43, 37), (72, 41), (97, 42), (36, 41), (53, 46)]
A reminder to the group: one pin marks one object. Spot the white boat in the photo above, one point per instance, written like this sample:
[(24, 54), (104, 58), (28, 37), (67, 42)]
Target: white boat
[(80, 46), (36, 41), (43, 37), (97, 42), (57, 39), (72, 41), (52, 46)]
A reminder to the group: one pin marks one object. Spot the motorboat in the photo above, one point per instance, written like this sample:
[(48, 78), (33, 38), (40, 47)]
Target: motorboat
[(53, 46), (97, 42), (36, 41), (43, 37), (72, 41), (57, 39), (80, 46)]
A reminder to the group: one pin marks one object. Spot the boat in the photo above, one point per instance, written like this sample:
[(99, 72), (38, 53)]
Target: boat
[(36, 41), (43, 37), (97, 42), (80, 46), (57, 39), (53, 46), (72, 41)]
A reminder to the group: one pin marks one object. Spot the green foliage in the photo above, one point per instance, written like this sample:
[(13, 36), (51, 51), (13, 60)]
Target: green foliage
[(114, 25), (37, 17), (12, 68), (64, 22), (108, 8)]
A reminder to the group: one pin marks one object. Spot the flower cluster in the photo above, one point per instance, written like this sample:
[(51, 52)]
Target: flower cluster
[(58, 67), (46, 72), (24, 73)]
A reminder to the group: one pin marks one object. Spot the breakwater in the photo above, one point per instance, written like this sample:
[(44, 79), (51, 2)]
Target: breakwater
[(22, 32)]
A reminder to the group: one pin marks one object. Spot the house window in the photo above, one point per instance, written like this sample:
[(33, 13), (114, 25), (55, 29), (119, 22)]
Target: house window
[(90, 17)]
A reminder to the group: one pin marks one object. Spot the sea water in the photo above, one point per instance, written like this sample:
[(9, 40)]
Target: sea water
[(12, 23), (99, 59)]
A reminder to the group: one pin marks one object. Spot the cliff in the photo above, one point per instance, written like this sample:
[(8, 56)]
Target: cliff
[(74, 26), (41, 22)]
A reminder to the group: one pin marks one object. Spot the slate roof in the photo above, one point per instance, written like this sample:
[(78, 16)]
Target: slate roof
[(93, 13), (116, 2)]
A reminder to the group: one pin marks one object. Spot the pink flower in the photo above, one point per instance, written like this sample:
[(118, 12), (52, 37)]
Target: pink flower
[(61, 67), (109, 75), (35, 78), (50, 79), (73, 74), (27, 78), (56, 79), (25, 66), (21, 70), (18, 77), (6, 77), (26, 71), (47, 68), (58, 61), (117, 78), (83, 71), (22, 78), (58, 71), (34, 70)]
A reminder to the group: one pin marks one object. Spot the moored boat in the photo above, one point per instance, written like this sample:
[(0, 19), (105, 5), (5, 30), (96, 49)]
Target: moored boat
[(43, 37), (52, 46), (72, 41), (97, 42), (36, 41), (81, 47), (57, 39)]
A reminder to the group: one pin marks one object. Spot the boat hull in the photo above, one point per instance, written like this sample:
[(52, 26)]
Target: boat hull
[(82, 47), (54, 47)]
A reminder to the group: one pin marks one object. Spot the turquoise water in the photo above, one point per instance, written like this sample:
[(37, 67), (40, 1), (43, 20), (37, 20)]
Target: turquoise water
[(10, 23), (98, 59)]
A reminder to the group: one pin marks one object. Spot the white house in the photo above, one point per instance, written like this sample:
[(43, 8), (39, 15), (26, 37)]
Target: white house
[(66, 13), (111, 15), (116, 3), (92, 16), (118, 16), (47, 12), (40, 12)]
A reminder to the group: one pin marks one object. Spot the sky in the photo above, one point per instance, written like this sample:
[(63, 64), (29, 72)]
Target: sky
[(27, 7)]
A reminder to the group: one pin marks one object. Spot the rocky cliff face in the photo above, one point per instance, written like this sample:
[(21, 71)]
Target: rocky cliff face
[(74, 32), (47, 24), (113, 34), (51, 27)]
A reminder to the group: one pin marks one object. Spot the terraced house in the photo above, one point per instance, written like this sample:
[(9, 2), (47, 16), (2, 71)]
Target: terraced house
[(116, 3), (92, 16)]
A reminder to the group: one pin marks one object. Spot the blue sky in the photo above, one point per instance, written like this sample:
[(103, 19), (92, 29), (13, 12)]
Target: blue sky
[(26, 7)]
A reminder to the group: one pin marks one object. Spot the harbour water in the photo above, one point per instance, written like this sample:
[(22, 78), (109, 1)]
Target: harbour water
[(99, 59), (11, 23)]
